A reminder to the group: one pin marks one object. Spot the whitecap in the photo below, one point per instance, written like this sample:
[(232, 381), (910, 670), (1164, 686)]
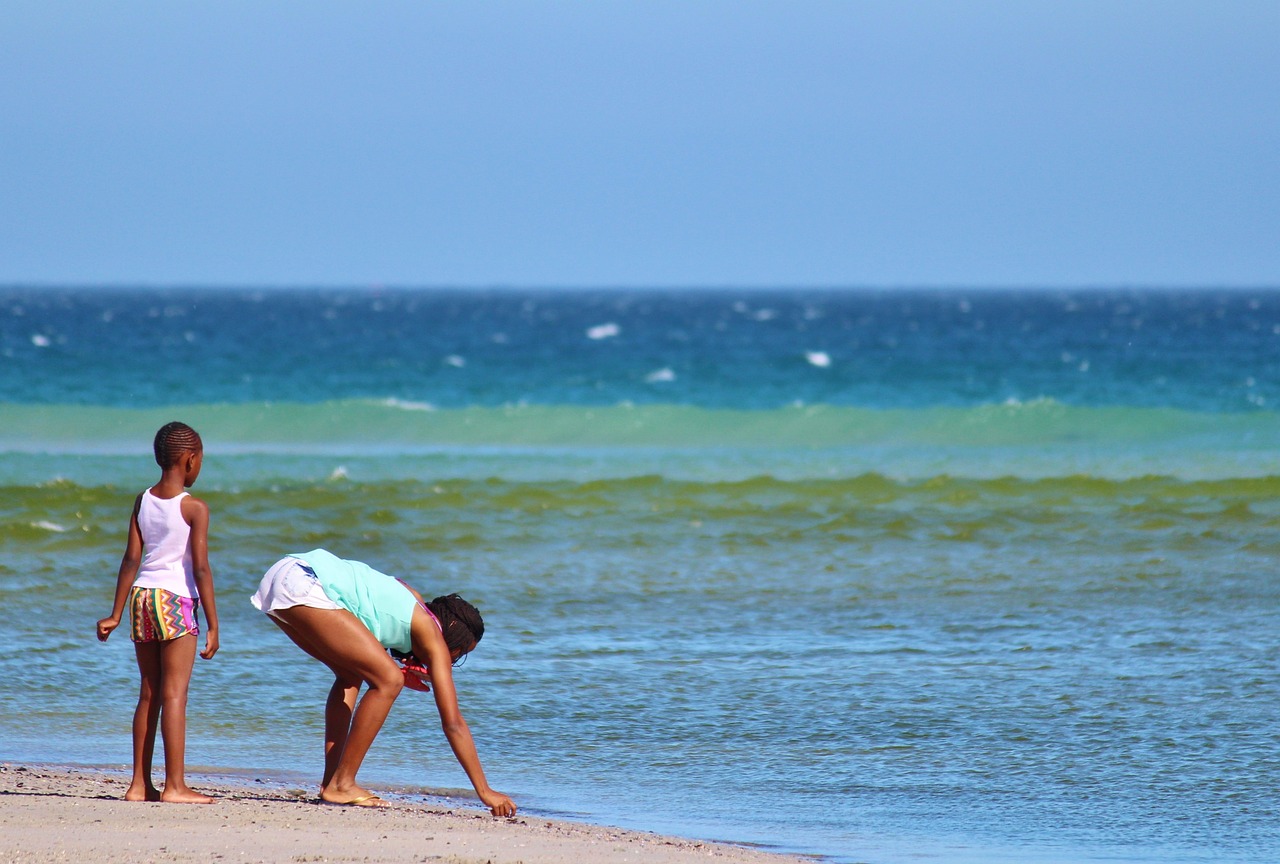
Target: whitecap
[(339, 473), (40, 340), (603, 331), (660, 375), (456, 361), (764, 314), (50, 526), (821, 359), (407, 405)]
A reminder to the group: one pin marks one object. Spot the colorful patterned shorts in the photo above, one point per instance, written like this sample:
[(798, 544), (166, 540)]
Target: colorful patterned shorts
[(156, 615)]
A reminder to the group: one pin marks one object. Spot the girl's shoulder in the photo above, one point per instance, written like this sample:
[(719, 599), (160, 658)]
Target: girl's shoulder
[(194, 511)]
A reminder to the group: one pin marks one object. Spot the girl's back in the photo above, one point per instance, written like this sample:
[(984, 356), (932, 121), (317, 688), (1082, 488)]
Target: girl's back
[(166, 556)]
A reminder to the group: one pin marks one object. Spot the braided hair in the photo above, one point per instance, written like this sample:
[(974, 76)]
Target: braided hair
[(173, 440), (459, 621)]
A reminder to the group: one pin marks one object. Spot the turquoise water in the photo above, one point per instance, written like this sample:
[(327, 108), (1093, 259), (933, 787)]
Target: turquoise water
[(1005, 616)]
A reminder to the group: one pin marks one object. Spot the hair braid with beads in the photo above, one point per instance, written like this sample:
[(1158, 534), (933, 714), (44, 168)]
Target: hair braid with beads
[(173, 440)]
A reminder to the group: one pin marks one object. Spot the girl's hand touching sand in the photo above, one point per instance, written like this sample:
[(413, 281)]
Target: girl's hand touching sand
[(498, 804)]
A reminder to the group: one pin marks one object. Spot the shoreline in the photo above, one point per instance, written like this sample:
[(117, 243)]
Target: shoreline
[(56, 813)]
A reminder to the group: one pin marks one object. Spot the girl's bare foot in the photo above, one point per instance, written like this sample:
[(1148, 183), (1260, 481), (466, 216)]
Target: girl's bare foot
[(141, 793), (183, 795), (352, 796)]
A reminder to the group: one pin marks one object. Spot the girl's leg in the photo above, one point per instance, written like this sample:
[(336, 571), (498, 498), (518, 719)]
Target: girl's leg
[(341, 642), (177, 657), (338, 708), (145, 719)]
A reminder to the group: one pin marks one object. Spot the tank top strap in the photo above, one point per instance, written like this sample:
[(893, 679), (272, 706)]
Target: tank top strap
[(425, 608)]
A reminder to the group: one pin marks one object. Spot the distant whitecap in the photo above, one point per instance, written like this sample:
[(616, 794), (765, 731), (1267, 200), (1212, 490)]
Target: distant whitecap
[(339, 473), (660, 375), (603, 331), (821, 359), (456, 361), (40, 340), (407, 405)]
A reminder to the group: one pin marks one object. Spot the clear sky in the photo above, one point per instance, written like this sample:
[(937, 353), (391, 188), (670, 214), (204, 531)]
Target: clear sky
[(1118, 142)]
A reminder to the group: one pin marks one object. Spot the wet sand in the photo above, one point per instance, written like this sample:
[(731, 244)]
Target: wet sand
[(56, 814)]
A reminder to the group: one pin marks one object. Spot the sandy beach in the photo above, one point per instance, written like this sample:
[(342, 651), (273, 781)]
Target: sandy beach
[(55, 814)]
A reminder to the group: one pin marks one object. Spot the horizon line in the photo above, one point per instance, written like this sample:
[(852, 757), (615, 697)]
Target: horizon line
[(608, 287)]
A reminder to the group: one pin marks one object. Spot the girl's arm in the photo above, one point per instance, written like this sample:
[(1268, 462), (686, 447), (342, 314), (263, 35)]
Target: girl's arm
[(128, 572), (196, 512), (427, 640)]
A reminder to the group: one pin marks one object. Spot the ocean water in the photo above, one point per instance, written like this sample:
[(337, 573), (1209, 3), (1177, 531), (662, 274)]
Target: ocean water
[(884, 576)]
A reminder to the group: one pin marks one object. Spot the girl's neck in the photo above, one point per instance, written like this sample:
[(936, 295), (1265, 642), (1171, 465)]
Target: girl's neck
[(172, 483)]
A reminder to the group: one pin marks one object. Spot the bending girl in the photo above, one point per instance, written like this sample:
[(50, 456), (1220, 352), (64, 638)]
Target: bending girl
[(347, 615)]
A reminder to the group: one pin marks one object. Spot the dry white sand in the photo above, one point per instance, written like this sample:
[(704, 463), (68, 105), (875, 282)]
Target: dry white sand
[(53, 814)]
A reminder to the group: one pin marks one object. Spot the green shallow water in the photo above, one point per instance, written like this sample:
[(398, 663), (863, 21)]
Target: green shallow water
[(391, 425)]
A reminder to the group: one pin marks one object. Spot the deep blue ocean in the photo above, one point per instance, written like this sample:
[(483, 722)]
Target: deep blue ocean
[(886, 576)]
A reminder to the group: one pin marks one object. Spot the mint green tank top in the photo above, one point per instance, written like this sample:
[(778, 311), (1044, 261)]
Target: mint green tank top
[(381, 602)]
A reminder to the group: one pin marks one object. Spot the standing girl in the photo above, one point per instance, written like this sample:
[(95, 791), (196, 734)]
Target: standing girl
[(164, 576)]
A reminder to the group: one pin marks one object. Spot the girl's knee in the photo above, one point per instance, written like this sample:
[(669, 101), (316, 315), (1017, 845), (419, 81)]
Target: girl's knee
[(391, 682)]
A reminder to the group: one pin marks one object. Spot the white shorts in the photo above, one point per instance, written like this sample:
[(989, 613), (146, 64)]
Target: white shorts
[(290, 582)]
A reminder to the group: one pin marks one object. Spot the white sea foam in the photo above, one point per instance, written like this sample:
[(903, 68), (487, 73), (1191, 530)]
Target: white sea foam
[(456, 361), (659, 375), (603, 331), (50, 526), (821, 359), (40, 340)]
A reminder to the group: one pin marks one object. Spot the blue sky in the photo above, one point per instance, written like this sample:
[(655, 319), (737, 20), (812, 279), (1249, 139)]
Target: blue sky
[(635, 144)]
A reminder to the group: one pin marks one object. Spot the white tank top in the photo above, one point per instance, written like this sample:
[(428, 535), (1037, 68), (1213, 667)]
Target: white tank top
[(166, 547)]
